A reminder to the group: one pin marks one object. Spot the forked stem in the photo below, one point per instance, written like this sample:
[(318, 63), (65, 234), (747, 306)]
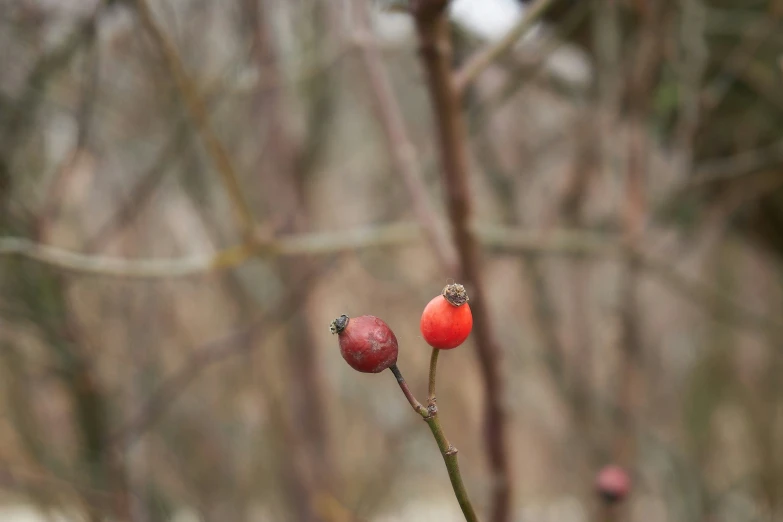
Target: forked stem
[(449, 452)]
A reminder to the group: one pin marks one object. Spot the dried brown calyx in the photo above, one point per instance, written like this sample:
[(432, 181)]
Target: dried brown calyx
[(339, 324), (455, 294)]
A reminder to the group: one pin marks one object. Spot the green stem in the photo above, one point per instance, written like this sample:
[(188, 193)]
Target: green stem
[(449, 452), (433, 365)]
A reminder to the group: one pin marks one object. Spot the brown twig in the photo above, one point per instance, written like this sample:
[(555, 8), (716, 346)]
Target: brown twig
[(477, 63), (398, 143), (691, 65), (17, 121), (524, 74), (502, 240), (52, 204), (282, 173), (415, 404), (731, 167), (197, 111), (46, 486), (738, 61), (432, 26), (139, 195), (639, 86), (504, 184), (299, 244), (209, 353)]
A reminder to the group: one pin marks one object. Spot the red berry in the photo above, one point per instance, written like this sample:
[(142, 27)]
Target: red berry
[(366, 343), (446, 321), (613, 483)]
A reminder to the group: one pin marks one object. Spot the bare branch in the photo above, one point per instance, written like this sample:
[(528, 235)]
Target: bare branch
[(326, 243), (196, 109), (398, 142), (476, 64), (498, 239), (432, 26), (209, 353)]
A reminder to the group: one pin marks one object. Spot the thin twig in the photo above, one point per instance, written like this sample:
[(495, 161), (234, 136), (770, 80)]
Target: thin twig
[(308, 244), (15, 123), (415, 404), (449, 452), (734, 63), (735, 166), (498, 239), (400, 147), (165, 393), (46, 485), (503, 239), (631, 388), (87, 97), (691, 66), (197, 111), (282, 173), (140, 194), (432, 27), (476, 64), (211, 352)]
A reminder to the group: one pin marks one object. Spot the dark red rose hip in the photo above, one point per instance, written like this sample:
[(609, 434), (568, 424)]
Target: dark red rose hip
[(366, 343)]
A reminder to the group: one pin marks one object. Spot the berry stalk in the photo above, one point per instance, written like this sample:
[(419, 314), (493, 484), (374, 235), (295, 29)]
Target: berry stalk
[(449, 452), (431, 400), (415, 404)]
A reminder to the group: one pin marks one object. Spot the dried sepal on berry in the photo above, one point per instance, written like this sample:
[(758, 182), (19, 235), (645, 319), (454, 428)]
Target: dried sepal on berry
[(339, 324), (455, 294)]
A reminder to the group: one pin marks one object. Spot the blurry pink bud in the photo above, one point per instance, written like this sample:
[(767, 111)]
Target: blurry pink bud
[(613, 483)]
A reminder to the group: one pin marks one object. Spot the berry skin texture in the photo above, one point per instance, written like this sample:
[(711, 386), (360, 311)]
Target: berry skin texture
[(447, 321), (367, 343), (612, 483)]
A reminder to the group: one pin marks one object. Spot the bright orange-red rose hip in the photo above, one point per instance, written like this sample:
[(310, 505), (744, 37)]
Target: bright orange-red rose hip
[(446, 321)]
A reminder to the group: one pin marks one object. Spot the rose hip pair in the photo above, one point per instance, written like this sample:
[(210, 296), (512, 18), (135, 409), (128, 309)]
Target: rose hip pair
[(368, 344)]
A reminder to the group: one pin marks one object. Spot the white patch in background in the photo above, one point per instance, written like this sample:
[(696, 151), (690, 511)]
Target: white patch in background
[(391, 27), (571, 65), (424, 511), (488, 19), (186, 515), (24, 513), (60, 133), (563, 509)]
